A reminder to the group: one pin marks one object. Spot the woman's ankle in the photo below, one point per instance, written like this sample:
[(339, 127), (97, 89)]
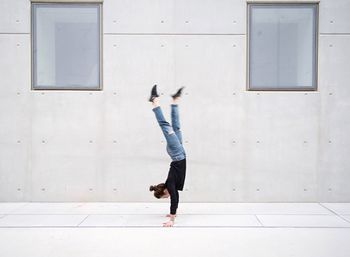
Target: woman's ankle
[(155, 102)]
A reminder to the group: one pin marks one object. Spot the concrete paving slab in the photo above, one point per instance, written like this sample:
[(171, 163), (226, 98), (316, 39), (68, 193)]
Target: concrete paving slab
[(41, 220), (94, 208), (145, 220), (302, 221), (175, 242), (217, 221), (49, 208), (153, 214), (110, 220), (6, 208), (339, 208), (122, 221), (204, 208), (253, 208), (181, 221), (347, 217), (163, 208)]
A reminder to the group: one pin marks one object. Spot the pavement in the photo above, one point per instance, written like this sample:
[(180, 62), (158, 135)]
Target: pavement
[(102, 229)]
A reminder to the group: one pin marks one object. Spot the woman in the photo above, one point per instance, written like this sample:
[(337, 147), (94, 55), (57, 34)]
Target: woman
[(177, 173)]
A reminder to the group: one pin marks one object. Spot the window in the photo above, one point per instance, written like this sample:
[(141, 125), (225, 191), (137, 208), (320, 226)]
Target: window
[(282, 51), (66, 43)]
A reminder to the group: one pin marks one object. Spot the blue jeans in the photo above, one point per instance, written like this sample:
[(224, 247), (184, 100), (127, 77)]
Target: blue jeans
[(172, 133)]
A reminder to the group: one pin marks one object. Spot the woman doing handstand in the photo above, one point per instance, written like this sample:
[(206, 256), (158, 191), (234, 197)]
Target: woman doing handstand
[(177, 172)]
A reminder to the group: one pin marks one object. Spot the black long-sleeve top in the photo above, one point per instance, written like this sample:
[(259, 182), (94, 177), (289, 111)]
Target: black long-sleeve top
[(175, 182)]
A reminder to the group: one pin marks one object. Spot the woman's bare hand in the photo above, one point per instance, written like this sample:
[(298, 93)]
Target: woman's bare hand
[(170, 223)]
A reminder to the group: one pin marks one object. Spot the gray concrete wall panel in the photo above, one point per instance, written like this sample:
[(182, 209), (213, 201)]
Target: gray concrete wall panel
[(210, 16), (15, 145), (15, 16), (175, 17), (334, 16), (66, 136), (241, 145), (335, 120), (14, 62)]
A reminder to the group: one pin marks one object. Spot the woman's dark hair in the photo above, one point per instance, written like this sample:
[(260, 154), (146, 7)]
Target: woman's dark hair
[(158, 190)]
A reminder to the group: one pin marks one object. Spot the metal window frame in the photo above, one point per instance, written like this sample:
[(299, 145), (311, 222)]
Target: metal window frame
[(99, 3), (248, 24)]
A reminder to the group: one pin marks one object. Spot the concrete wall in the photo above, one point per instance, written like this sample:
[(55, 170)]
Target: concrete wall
[(241, 145)]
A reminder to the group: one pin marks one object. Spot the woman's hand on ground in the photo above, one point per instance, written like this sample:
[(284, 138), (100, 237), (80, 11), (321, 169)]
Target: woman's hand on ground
[(170, 223)]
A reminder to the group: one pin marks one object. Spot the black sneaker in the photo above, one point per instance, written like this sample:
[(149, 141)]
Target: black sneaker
[(178, 93), (154, 93)]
